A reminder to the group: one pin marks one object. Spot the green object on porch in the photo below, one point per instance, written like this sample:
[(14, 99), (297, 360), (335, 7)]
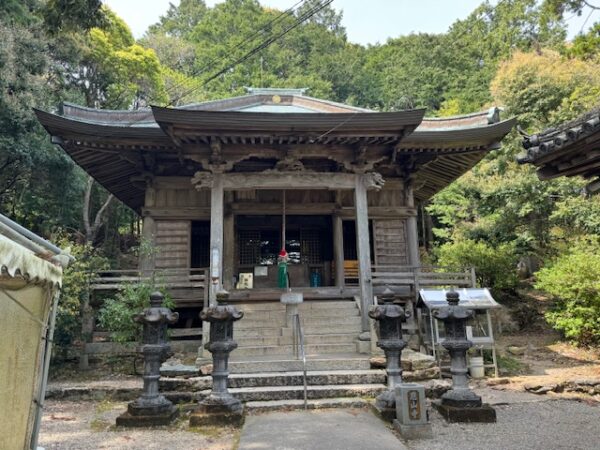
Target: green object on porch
[(282, 275)]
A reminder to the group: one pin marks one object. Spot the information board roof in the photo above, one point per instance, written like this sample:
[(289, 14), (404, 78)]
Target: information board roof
[(472, 298)]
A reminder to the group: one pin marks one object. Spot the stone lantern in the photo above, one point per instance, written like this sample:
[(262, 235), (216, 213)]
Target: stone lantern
[(390, 317), (460, 404), (151, 408), (220, 407)]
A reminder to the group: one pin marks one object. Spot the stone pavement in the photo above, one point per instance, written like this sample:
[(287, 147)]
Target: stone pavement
[(347, 429)]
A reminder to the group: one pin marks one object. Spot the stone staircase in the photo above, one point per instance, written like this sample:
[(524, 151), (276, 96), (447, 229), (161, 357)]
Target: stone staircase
[(330, 327), (266, 375), (285, 390)]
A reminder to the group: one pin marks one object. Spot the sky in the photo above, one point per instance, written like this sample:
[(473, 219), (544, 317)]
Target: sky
[(366, 21)]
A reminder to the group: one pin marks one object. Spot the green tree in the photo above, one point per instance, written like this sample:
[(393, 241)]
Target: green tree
[(572, 279)]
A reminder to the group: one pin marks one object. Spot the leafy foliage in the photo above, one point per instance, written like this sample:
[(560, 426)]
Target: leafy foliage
[(573, 279), (116, 315), (495, 266), (75, 291)]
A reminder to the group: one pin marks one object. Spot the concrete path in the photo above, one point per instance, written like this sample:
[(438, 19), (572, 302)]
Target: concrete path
[(344, 429)]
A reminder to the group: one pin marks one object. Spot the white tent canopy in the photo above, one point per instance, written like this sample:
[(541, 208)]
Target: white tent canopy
[(29, 284)]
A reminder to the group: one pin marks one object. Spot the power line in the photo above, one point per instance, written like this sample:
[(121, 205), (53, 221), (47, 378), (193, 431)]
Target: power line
[(264, 44), (267, 42)]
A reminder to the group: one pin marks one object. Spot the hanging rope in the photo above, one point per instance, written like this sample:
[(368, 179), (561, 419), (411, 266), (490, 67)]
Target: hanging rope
[(283, 222)]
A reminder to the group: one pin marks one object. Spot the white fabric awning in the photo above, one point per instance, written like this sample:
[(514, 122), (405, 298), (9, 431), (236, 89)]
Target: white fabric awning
[(16, 260)]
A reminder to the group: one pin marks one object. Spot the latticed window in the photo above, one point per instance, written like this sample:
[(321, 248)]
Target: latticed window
[(249, 246), (310, 246)]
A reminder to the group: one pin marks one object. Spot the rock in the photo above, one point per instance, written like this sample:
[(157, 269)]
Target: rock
[(206, 369), (516, 351), (539, 389), (178, 370), (378, 362), (422, 374), (418, 361), (498, 381), (436, 388)]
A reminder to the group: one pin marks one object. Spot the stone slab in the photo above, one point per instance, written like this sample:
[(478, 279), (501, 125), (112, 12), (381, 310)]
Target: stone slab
[(414, 432), (483, 414), (348, 429), (221, 419), (128, 420)]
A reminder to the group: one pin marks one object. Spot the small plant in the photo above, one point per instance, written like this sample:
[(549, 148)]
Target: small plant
[(495, 266), (75, 293), (116, 315), (573, 280)]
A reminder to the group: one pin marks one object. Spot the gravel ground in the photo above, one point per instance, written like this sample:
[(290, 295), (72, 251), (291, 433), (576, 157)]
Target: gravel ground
[(525, 422), (90, 425), (532, 425)]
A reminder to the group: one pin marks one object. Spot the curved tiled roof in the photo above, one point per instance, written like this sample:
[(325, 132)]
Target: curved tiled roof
[(570, 149), (119, 147)]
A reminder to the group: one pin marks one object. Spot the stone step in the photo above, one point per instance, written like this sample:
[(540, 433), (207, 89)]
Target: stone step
[(239, 334), (267, 393), (308, 305), (312, 349), (337, 377), (330, 322), (330, 314), (282, 364), (341, 328), (342, 338), (322, 403), (307, 322)]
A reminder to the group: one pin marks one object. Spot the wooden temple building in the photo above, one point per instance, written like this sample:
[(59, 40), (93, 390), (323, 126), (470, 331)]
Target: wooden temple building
[(571, 149), (211, 181)]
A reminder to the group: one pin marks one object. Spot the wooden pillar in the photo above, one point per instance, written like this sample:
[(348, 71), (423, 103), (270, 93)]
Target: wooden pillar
[(228, 245), (146, 261), (412, 232), (363, 249), (216, 236), (338, 250)]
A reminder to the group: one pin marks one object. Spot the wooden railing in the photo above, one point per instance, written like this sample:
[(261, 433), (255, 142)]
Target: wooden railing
[(415, 277), (184, 285)]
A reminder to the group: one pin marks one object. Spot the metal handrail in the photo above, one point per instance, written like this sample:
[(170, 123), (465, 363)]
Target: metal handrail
[(299, 352)]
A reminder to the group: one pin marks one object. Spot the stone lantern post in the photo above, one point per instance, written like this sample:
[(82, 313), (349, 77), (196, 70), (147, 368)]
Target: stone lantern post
[(390, 317), (460, 404), (151, 408), (220, 407)]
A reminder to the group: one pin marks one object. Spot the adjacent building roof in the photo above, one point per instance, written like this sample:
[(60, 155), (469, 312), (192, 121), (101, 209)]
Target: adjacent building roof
[(122, 148), (571, 149)]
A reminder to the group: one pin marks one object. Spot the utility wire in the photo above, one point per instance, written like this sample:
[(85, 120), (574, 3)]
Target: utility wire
[(240, 45), (267, 42), (263, 45)]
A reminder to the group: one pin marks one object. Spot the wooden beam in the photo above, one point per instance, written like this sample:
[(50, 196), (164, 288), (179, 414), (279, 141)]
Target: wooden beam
[(228, 245), (216, 236), (338, 250), (412, 233), (363, 248)]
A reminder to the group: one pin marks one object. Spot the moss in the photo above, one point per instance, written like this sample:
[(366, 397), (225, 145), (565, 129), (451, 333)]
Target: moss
[(511, 366), (98, 424)]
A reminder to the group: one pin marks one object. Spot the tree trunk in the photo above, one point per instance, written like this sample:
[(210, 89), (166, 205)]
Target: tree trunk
[(91, 229)]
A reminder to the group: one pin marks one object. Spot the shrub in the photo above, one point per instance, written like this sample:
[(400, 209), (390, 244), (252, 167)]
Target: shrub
[(75, 293), (116, 315), (494, 266), (573, 280)]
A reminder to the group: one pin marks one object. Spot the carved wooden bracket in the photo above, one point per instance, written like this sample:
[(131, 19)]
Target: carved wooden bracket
[(203, 180), (374, 180)]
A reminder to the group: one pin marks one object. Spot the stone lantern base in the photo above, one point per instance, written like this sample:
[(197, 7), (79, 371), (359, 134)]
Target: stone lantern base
[(483, 413), (218, 413), (155, 416)]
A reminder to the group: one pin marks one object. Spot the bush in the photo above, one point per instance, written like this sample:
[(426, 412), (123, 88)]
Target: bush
[(75, 293), (116, 315), (574, 281), (495, 267)]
